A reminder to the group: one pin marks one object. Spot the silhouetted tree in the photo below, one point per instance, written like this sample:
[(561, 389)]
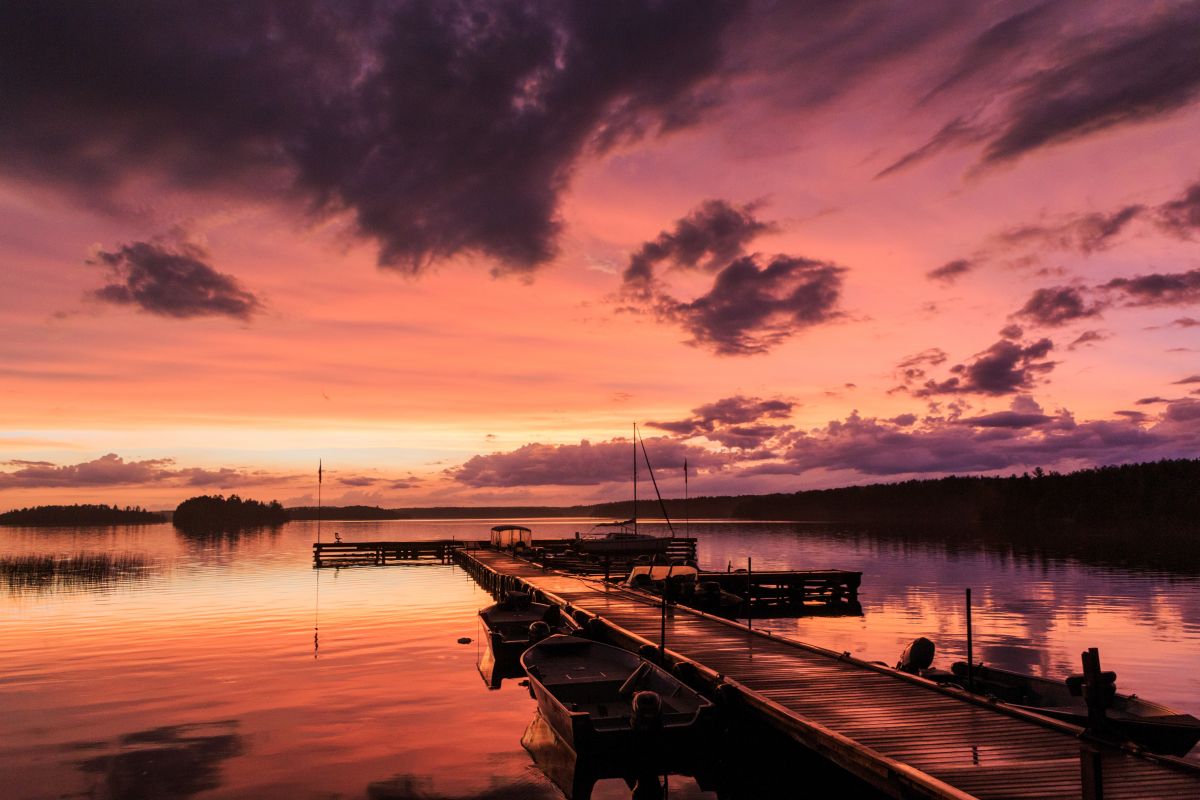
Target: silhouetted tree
[(218, 513)]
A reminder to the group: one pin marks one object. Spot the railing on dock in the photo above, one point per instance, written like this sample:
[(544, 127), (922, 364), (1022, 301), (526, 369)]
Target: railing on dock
[(342, 554), (905, 736)]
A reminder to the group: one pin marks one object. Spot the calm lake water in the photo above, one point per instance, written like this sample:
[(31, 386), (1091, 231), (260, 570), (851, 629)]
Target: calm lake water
[(205, 677)]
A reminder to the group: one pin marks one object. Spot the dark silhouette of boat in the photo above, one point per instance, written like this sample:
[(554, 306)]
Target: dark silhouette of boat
[(1152, 725), (509, 627), (624, 540), (681, 583), (604, 700)]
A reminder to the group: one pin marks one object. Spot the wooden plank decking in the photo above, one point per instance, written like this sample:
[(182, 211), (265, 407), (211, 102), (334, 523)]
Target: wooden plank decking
[(904, 735)]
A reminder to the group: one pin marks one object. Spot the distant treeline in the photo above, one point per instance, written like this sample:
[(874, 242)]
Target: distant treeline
[(437, 512), (1157, 492), (80, 515), (218, 513), (1162, 491)]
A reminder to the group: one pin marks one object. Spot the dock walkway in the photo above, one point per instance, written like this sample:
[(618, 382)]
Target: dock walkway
[(906, 736)]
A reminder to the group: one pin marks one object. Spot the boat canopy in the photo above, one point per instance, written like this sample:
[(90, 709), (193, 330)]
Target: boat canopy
[(511, 536)]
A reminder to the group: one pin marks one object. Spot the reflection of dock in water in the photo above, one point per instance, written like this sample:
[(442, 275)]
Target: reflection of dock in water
[(903, 735)]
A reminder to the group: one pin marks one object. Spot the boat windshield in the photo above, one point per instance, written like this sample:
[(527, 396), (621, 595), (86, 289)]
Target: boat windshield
[(660, 572)]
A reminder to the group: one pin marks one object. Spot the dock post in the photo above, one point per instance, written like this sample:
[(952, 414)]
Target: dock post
[(749, 588), (1091, 772), (970, 649)]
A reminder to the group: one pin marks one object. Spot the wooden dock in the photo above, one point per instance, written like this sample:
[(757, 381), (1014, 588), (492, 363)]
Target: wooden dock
[(767, 593), (906, 736), (342, 554)]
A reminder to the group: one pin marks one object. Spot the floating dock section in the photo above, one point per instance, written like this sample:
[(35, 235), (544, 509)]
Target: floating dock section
[(906, 736), (343, 554), (766, 593)]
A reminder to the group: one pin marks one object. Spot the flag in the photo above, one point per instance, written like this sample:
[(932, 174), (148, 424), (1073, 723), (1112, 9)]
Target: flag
[(320, 471), (685, 466)]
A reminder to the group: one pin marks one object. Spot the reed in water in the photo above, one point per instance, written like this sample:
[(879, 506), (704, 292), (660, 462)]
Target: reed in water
[(35, 570)]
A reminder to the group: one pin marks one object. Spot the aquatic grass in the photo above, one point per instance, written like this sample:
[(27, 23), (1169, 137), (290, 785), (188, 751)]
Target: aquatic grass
[(45, 571)]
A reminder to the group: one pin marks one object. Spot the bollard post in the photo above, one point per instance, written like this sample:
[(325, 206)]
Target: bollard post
[(1091, 772), (970, 648)]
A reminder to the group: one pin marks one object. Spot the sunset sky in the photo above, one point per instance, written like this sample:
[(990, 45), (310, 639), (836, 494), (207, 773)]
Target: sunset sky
[(456, 249)]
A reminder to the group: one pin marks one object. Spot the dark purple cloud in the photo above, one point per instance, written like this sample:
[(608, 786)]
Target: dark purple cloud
[(1158, 289), (1181, 217), (709, 237), (1083, 233), (583, 464), (1113, 77), (951, 271), (915, 367), (108, 470), (357, 480), (1012, 332), (1004, 368), (1071, 87), (874, 447), (1185, 322), (997, 44), (1088, 337), (1057, 306), (441, 128), (172, 281), (1188, 379), (112, 470), (736, 422), (1149, 401), (752, 308), (1021, 437), (1006, 419), (1183, 411)]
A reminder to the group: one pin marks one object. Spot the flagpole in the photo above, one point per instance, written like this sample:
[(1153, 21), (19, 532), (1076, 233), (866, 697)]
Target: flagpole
[(635, 477), (687, 514), (320, 479)]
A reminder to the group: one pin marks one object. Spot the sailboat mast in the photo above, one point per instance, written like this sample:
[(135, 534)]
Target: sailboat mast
[(635, 477)]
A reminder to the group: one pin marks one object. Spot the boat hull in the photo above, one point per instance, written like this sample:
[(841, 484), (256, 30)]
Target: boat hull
[(1151, 725), (591, 717), (638, 546)]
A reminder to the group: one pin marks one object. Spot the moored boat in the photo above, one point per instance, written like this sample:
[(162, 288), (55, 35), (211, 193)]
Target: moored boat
[(511, 537), (682, 584), (1152, 725), (508, 631), (624, 540), (600, 698)]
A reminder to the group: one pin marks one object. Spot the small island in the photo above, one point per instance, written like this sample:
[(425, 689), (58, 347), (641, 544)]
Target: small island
[(80, 514), (208, 513)]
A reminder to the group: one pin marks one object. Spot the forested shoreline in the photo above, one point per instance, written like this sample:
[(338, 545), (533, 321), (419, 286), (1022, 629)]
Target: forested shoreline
[(1162, 491), (80, 514)]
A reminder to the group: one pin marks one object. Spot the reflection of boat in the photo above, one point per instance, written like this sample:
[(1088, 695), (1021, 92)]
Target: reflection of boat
[(602, 699), (685, 587), (624, 540), (507, 631), (1151, 725)]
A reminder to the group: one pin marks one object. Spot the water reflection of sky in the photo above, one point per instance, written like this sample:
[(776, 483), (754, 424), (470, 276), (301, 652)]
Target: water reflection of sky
[(203, 675)]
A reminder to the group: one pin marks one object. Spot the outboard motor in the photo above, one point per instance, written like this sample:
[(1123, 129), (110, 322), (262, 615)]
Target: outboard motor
[(647, 712), (538, 631), (916, 657), (517, 600)]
